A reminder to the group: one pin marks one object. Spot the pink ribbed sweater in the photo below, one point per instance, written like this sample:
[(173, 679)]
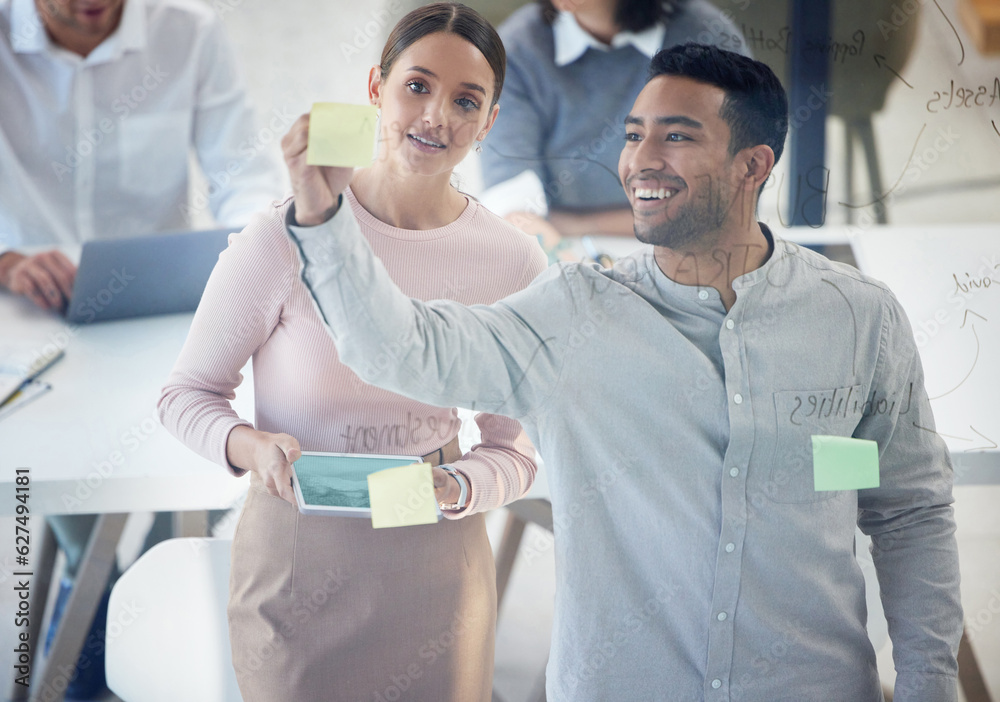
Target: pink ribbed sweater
[(256, 305)]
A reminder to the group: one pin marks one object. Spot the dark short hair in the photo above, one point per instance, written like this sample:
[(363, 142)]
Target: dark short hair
[(755, 106), (453, 18), (631, 15)]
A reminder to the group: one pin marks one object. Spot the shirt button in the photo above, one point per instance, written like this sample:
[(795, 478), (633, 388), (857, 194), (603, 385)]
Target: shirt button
[(716, 683), (734, 472), (721, 617), (730, 324), (703, 294), (730, 548), (738, 399)]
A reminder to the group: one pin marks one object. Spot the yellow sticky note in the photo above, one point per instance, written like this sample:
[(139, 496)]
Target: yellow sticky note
[(340, 134), (843, 463), (402, 496)]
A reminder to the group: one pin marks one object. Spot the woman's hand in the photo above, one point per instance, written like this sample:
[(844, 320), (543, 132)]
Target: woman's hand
[(317, 188), (268, 455), (446, 490)]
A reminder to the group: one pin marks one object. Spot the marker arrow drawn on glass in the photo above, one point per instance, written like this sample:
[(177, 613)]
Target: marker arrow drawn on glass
[(992, 445), (880, 62), (854, 323), (966, 318), (974, 360), (950, 24)]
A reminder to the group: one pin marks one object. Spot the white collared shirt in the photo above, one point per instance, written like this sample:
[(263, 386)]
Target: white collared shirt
[(99, 147), (572, 41), (525, 193)]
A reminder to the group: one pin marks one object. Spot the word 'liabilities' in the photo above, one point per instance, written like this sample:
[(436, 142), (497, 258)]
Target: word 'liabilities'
[(845, 402)]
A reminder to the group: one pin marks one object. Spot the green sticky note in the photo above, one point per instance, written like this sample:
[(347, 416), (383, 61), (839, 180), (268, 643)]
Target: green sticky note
[(402, 496), (341, 135), (843, 463)]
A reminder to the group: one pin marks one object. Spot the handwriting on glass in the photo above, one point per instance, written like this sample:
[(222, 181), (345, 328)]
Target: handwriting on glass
[(957, 98), (845, 402)]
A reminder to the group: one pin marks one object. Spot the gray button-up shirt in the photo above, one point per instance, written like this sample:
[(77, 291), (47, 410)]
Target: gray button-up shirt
[(694, 559)]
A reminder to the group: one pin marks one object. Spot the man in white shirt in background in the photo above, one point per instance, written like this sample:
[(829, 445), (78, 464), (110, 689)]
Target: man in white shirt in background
[(103, 103)]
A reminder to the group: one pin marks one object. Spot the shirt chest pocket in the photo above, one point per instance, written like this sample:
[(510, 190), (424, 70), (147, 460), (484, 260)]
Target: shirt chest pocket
[(800, 414), (153, 152)]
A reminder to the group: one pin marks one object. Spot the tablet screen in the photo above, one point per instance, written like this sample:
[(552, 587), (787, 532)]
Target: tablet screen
[(340, 480)]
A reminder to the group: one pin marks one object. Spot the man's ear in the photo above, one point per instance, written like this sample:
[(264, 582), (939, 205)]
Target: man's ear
[(758, 160), (375, 86)]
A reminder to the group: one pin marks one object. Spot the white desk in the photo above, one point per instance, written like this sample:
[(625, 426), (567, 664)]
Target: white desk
[(94, 445)]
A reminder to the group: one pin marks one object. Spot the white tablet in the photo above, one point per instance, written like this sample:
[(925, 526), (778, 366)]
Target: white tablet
[(336, 484)]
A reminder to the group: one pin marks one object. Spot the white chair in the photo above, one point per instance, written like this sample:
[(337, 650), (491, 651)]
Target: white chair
[(167, 638)]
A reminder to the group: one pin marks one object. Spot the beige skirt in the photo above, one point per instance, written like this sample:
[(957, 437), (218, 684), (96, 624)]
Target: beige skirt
[(329, 609)]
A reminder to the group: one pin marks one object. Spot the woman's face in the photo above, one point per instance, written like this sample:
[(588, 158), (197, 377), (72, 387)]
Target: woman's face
[(435, 103)]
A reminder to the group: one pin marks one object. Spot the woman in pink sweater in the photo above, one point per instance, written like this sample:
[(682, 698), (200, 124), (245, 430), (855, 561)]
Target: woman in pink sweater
[(326, 608)]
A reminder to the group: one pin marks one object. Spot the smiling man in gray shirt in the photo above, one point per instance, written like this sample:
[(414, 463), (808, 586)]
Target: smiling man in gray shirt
[(674, 398)]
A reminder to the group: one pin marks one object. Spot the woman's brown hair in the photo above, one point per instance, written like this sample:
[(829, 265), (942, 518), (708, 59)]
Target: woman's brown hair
[(453, 18)]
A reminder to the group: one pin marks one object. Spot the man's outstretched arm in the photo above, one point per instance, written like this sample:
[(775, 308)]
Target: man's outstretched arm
[(494, 358), (501, 358)]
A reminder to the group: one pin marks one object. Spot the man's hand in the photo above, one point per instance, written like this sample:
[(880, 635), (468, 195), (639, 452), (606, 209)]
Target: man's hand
[(268, 455), (317, 188), (45, 278)]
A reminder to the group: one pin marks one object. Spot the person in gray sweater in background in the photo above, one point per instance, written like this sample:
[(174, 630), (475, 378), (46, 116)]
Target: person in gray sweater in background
[(573, 71), (678, 400)]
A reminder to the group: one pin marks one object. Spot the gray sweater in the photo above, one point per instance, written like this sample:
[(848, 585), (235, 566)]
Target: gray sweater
[(567, 122)]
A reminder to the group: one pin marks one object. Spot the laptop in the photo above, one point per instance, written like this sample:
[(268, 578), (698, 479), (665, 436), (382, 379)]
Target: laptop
[(145, 275)]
